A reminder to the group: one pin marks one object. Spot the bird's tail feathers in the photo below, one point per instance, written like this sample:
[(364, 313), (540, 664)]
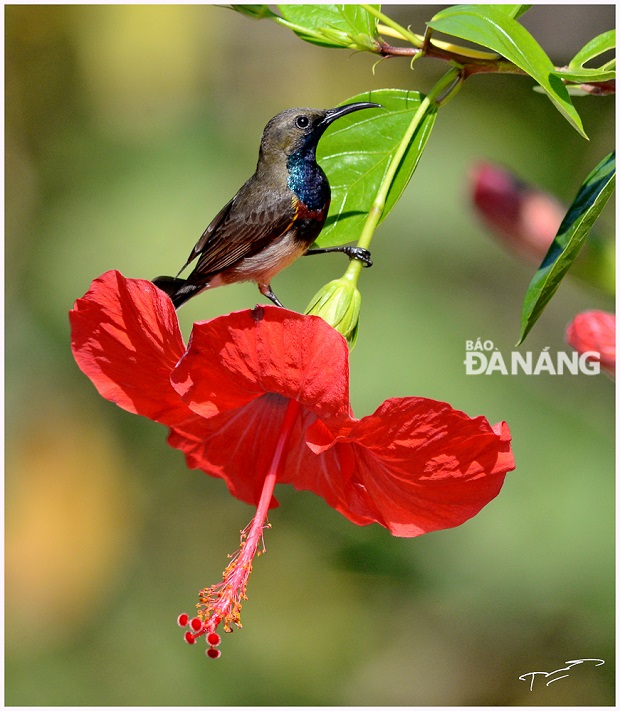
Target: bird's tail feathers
[(177, 289)]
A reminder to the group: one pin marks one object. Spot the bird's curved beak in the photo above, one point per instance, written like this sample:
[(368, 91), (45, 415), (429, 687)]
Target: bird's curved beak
[(332, 114)]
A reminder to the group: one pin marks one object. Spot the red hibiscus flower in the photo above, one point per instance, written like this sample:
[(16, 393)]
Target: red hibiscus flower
[(593, 335), (262, 397)]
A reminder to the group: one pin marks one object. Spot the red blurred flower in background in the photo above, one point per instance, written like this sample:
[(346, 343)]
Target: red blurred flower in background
[(595, 332), (262, 397), (525, 218)]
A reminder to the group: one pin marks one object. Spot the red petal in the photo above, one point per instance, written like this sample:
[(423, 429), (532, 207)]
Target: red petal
[(328, 475), (126, 339), (234, 359), (236, 446), (424, 465)]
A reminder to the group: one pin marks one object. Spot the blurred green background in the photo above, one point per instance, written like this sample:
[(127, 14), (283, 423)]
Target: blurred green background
[(127, 128)]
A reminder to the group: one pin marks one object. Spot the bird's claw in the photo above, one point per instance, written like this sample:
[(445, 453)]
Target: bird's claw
[(363, 255), (359, 253)]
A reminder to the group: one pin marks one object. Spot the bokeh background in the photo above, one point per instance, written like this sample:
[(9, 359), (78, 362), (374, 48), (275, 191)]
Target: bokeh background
[(127, 128)]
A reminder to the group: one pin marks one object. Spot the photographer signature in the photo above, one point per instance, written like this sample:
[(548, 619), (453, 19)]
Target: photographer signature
[(569, 665)]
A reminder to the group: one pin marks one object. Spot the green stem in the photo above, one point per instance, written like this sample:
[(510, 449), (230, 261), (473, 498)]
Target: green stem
[(414, 39), (442, 92)]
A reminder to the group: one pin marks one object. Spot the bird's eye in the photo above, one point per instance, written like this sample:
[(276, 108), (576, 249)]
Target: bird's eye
[(302, 122)]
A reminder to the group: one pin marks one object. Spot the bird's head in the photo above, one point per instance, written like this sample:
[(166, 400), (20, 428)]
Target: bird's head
[(299, 130)]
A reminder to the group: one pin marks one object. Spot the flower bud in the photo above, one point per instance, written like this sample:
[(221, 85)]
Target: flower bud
[(523, 217), (595, 332), (526, 220), (338, 303)]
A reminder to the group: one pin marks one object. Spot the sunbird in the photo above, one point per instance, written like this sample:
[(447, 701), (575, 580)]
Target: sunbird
[(276, 215)]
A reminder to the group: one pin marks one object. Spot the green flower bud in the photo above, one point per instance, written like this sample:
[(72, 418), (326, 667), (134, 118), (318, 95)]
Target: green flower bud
[(336, 36), (365, 43), (338, 303)]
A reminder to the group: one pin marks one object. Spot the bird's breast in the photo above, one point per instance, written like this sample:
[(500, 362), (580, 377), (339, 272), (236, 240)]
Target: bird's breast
[(308, 181), (308, 221), (264, 265), (304, 213)]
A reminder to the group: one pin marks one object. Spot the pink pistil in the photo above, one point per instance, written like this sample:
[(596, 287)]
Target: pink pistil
[(221, 603)]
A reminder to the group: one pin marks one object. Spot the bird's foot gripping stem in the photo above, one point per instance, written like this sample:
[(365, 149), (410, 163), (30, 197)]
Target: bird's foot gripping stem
[(363, 255)]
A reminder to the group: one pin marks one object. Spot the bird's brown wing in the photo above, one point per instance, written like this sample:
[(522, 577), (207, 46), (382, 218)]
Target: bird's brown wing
[(236, 233), (214, 224)]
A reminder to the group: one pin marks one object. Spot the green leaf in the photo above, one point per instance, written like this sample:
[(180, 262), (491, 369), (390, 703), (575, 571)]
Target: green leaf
[(594, 48), (490, 27), (576, 225), (580, 74), (356, 152), (258, 12), (514, 11), (586, 75), (333, 25)]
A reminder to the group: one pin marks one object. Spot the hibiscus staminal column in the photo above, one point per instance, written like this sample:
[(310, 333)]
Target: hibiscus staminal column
[(221, 603)]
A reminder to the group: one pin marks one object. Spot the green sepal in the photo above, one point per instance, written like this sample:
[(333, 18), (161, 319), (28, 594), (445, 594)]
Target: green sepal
[(339, 304)]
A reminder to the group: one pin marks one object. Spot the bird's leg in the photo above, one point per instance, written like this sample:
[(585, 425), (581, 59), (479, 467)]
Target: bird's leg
[(265, 290), (352, 252)]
